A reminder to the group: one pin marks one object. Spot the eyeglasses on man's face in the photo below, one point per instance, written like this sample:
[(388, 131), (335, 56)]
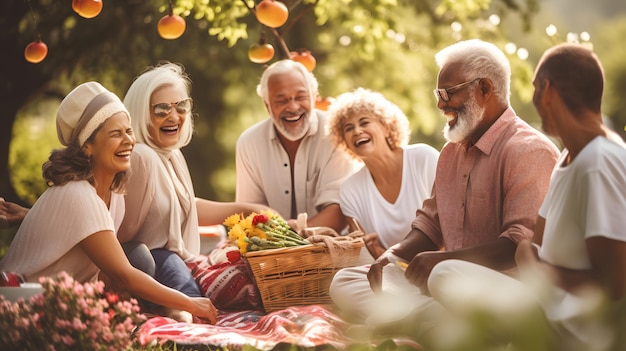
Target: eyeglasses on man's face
[(444, 94), (163, 109)]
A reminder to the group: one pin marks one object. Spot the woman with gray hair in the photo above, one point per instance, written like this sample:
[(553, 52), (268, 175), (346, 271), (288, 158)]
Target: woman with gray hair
[(382, 197), (160, 230)]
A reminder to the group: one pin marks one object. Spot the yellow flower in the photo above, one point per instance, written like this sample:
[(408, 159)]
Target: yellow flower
[(238, 235), (257, 232), (241, 230), (242, 243), (236, 232), (246, 224), (232, 220)]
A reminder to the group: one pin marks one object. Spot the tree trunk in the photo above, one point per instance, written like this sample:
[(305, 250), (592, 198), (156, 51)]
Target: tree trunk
[(20, 81)]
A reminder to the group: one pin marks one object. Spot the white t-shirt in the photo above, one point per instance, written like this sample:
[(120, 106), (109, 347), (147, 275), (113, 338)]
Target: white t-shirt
[(46, 242), (360, 199), (587, 198)]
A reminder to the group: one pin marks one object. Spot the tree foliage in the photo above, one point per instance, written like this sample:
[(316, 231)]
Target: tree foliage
[(384, 45), (614, 106)]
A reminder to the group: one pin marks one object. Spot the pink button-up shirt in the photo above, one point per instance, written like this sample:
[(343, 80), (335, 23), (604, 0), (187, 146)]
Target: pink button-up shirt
[(492, 189)]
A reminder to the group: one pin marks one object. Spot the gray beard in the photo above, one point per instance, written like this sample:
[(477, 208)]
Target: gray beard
[(290, 135), (466, 123)]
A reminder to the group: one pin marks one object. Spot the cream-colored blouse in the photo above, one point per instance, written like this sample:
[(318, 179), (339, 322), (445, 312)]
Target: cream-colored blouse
[(160, 202), (46, 242)]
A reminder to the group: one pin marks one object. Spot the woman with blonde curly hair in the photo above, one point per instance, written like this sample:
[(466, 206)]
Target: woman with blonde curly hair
[(382, 197)]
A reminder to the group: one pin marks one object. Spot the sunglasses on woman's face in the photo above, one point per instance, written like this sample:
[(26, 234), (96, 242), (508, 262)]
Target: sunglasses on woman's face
[(164, 109)]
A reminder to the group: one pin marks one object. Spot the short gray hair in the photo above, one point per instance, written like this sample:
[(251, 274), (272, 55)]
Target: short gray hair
[(480, 59), (285, 66)]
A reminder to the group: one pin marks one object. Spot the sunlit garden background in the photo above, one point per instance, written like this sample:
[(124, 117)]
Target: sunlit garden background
[(384, 45)]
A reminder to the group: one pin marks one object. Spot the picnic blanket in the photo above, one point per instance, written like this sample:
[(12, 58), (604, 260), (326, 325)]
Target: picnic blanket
[(241, 324), (306, 326)]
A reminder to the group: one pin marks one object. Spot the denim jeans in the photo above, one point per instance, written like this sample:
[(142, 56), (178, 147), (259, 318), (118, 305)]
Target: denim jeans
[(164, 266)]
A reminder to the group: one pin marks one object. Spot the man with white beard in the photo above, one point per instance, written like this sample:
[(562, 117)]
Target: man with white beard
[(286, 161), (491, 178)]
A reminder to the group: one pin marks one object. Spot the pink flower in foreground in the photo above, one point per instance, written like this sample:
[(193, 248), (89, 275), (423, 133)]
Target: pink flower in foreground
[(69, 316), (112, 298), (78, 324), (67, 340)]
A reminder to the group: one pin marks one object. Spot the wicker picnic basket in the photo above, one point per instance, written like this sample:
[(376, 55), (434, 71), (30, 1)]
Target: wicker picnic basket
[(301, 275)]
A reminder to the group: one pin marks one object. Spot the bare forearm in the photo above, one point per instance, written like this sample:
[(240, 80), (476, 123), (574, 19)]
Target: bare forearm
[(415, 242), (606, 272), (498, 255), (568, 279), (106, 253), (213, 212), (329, 216), (145, 287)]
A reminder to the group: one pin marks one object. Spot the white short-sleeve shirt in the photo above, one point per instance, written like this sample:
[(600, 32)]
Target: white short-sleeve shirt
[(360, 199), (46, 242)]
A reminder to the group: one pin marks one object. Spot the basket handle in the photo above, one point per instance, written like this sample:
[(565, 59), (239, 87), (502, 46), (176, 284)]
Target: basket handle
[(337, 243)]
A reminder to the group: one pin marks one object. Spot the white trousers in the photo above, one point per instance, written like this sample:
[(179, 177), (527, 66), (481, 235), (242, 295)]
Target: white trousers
[(463, 288), (351, 292)]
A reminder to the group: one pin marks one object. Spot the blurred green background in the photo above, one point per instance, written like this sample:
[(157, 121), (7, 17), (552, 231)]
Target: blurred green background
[(384, 45)]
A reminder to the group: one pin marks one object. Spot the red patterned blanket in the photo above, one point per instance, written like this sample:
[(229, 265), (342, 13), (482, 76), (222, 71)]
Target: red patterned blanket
[(227, 281), (307, 326)]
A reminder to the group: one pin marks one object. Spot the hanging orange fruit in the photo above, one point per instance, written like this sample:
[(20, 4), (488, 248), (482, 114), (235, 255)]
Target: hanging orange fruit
[(272, 13), (171, 26), (323, 103), (260, 52), (304, 57), (36, 51), (87, 8)]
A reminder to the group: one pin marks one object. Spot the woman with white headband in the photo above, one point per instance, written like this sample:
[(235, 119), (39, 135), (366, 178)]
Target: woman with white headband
[(72, 226)]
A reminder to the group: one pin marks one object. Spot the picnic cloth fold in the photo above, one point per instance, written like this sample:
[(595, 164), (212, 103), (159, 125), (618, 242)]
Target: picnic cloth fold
[(307, 326)]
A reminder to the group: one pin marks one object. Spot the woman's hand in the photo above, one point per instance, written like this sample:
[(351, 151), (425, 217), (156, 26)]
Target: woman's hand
[(204, 308), (11, 214)]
